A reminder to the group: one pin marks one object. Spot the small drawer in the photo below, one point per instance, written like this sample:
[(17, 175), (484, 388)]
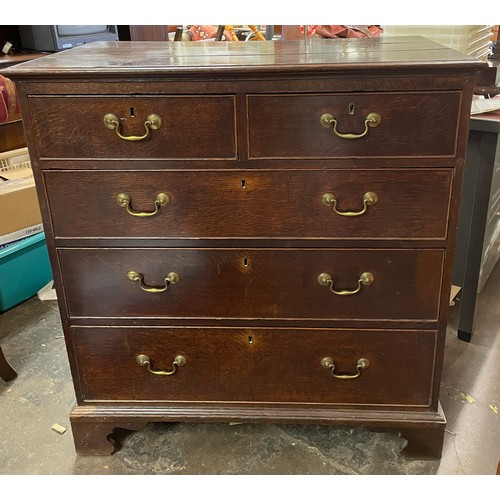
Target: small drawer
[(363, 204), (389, 124), (196, 127), (341, 284), (320, 366)]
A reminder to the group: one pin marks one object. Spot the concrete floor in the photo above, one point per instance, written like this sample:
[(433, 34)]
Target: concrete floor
[(31, 338)]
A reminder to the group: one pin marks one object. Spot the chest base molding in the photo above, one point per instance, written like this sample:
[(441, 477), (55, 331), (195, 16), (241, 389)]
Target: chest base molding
[(97, 428)]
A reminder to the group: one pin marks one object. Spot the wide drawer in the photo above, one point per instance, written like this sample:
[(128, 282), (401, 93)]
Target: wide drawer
[(257, 365), (253, 283), (191, 127), (412, 124), (408, 204)]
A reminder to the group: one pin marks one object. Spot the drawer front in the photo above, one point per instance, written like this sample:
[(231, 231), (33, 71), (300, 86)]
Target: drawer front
[(257, 365), (411, 124), (253, 283), (191, 127), (409, 204)]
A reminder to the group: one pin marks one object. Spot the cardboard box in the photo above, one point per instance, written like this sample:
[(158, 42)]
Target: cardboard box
[(19, 208)]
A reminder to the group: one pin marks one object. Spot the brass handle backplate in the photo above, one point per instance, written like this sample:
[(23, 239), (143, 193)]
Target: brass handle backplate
[(324, 279), (372, 120), (369, 199), (124, 200), (144, 360), (111, 121), (361, 364), (170, 279)]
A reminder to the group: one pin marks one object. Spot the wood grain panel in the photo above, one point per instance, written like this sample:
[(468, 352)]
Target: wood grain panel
[(253, 283), (412, 124), (257, 365), (11, 136), (412, 204), (192, 127), (329, 57)]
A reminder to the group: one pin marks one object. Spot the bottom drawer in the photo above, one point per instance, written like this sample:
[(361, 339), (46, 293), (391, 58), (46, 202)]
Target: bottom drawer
[(256, 365)]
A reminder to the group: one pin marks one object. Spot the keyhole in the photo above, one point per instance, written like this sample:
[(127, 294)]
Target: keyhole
[(351, 108), (245, 262), (250, 339), (243, 184), (132, 111)]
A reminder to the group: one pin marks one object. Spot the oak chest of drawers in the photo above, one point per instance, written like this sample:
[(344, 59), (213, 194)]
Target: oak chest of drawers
[(251, 232)]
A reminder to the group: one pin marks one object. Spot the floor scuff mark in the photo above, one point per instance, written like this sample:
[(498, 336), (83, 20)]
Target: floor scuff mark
[(457, 395)]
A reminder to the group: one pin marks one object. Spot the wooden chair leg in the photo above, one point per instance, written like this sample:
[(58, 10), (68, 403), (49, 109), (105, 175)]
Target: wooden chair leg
[(7, 373)]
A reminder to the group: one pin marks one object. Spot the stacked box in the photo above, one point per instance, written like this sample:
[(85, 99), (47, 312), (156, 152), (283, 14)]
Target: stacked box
[(19, 209), (24, 262)]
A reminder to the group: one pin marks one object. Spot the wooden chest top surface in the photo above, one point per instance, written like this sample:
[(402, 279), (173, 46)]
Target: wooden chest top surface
[(161, 58)]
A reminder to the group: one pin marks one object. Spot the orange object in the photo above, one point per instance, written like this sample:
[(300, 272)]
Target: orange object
[(495, 33), (233, 33), (258, 34)]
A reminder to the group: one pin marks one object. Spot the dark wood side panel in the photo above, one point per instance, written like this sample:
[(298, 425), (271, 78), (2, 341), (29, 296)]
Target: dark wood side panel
[(11, 136), (255, 365), (192, 127), (148, 33), (412, 124), (253, 283)]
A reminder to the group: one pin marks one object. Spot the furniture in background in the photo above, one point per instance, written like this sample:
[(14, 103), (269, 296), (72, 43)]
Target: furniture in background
[(12, 134), (11, 127), (7, 373), (478, 238), (11, 137), (148, 33), (11, 130), (235, 239), (161, 33)]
